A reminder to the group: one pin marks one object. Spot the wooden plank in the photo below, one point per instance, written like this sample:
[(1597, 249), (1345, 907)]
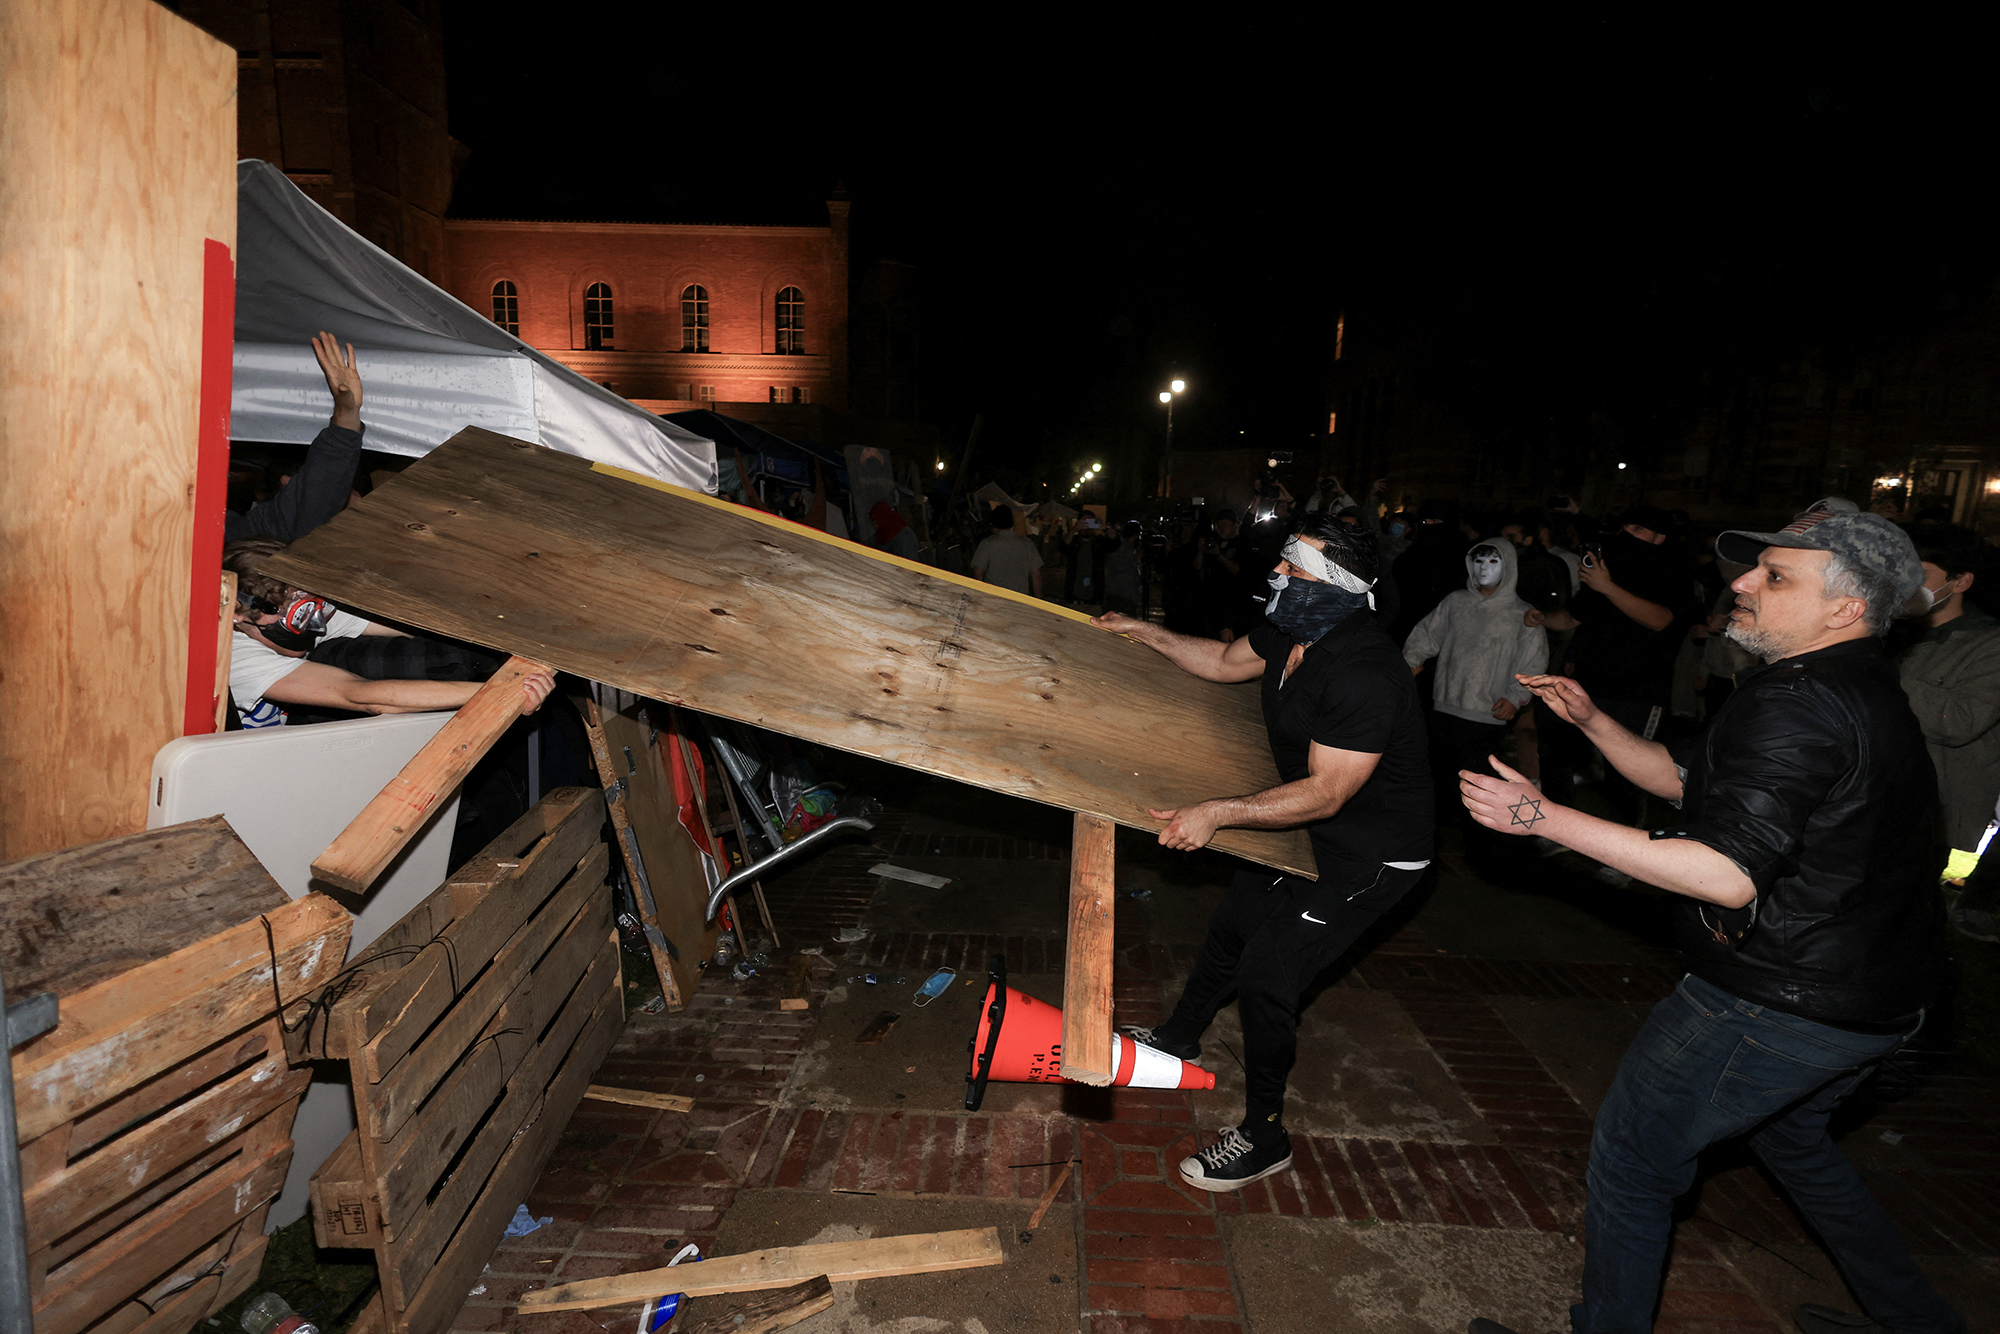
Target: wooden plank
[(73, 918), (101, 1123), (104, 1276), (769, 1313), (132, 1162), (680, 886), (684, 599), (118, 149), (400, 811), (342, 1200), (121, 1032), (839, 1261), (1093, 897), (617, 789), (665, 1102), (408, 1168), (392, 1017), (443, 1291), (419, 1228), (581, 908)]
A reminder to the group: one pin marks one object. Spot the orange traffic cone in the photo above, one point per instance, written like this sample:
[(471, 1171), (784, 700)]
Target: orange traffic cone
[(1019, 1041)]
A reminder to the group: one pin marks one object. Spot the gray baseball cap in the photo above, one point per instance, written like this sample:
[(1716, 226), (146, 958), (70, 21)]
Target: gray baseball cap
[(1868, 541)]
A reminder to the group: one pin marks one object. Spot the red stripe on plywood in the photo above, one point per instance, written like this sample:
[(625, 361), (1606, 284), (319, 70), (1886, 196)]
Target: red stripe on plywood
[(211, 481)]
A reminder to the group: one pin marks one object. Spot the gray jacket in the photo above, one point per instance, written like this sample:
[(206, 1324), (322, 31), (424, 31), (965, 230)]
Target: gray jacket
[(1952, 676), (1479, 643)]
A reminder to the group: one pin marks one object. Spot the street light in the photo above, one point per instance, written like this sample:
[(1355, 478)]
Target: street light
[(1175, 386)]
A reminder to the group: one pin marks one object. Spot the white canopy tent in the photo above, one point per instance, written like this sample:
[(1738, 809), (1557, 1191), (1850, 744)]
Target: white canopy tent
[(430, 364)]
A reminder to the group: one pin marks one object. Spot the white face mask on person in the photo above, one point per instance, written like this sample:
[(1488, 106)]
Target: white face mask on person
[(1486, 567)]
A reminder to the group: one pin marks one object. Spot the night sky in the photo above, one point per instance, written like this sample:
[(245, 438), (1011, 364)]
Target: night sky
[(1629, 210)]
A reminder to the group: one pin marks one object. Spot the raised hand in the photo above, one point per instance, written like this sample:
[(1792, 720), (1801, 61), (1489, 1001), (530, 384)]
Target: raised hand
[(343, 379), (1570, 701)]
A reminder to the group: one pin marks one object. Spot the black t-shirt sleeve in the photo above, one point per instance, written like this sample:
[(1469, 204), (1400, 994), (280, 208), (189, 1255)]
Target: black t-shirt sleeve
[(1356, 710), (1267, 642)]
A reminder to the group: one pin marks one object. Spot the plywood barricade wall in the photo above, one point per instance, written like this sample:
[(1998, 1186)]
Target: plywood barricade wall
[(686, 599), (155, 1119), (117, 149)]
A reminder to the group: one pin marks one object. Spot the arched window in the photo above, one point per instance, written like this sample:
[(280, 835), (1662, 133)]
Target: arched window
[(694, 319), (597, 317), (507, 307), (792, 321)]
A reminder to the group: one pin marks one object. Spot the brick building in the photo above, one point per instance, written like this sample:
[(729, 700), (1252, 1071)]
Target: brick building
[(672, 315), (347, 97)]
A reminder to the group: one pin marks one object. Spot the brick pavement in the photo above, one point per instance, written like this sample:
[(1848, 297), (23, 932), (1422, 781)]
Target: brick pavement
[(624, 1182)]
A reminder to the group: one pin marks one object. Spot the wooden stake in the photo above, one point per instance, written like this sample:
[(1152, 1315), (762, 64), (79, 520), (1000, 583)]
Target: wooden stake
[(628, 846), (1049, 1197), (839, 1261), (665, 1102), (1087, 977), (401, 810)]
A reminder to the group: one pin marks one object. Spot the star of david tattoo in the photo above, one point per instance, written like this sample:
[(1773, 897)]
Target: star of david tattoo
[(1527, 812)]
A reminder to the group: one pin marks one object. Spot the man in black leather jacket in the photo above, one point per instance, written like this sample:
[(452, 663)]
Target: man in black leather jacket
[(1808, 848)]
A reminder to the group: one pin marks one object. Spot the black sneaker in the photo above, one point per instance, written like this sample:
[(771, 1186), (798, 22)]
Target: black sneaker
[(1233, 1162), (1186, 1051)]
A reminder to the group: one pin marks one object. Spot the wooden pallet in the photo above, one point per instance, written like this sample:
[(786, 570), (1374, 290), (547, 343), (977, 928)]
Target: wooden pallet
[(155, 1119), (473, 1030)]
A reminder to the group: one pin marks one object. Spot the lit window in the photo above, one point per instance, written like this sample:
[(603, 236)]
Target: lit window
[(800, 394), (792, 321), (694, 319), (777, 393), (708, 394), (684, 392), (597, 318), (507, 307)]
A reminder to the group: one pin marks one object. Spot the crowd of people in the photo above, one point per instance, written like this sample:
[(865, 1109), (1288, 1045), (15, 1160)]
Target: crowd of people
[(1796, 731)]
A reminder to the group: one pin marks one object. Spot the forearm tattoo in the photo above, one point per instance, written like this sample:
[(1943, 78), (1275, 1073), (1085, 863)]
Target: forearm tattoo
[(1527, 812)]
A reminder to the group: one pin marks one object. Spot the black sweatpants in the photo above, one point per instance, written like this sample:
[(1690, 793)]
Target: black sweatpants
[(1272, 935)]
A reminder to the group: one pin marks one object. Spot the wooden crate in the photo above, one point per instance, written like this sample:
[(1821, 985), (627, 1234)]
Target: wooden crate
[(472, 1030), (155, 1119)]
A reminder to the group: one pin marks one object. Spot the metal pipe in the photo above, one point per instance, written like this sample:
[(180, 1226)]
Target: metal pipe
[(752, 869)]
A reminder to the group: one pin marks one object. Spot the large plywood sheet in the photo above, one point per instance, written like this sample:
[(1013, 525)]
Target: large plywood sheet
[(733, 612), (117, 153)]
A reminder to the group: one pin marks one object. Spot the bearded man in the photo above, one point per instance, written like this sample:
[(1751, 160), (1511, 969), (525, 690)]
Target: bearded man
[(1807, 852)]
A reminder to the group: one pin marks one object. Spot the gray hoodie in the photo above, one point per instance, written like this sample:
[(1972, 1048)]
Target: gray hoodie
[(1479, 643)]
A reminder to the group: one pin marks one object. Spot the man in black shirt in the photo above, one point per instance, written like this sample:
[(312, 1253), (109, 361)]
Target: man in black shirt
[(1347, 733)]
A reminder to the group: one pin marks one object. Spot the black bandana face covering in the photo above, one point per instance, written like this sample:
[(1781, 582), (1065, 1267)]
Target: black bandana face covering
[(1305, 610)]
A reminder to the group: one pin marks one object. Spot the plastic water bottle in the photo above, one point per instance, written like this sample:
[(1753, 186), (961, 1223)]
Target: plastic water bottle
[(272, 1314)]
